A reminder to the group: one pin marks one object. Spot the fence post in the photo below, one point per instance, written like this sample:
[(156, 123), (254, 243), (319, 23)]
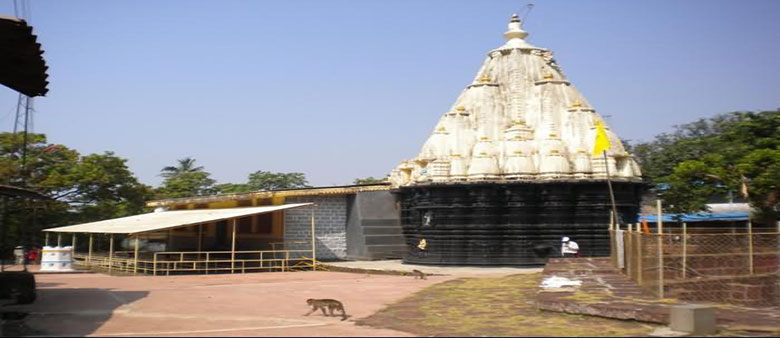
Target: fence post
[(639, 253), (154, 265), (684, 249), (750, 245), (660, 241), (629, 254)]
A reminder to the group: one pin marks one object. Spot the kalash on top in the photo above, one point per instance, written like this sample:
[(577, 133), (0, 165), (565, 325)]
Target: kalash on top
[(519, 120)]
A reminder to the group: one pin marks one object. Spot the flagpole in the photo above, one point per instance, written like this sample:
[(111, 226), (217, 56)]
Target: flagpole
[(611, 194)]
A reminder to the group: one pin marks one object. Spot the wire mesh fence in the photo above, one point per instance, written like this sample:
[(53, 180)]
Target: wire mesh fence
[(737, 267)]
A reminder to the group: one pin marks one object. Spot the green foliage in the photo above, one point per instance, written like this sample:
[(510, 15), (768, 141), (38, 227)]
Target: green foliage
[(266, 180), (716, 156), (185, 180), (371, 180), (185, 165), (232, 188), (83, 188), (187, 184)]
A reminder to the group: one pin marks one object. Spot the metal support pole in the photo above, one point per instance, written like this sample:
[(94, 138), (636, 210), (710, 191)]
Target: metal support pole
[(611, 194), (73, 243), (135, 257), (660, 221), (684, 249), (89, 253), (313, 242), (46, 240), (59, 239), (233, 248), (750, 245), (200, 239), (660, 250), (110, 252)]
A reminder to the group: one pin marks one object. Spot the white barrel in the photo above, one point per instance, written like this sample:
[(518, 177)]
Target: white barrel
[(57, 258)]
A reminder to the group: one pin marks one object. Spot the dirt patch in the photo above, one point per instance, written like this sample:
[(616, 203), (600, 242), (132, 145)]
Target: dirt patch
[(504, 306)]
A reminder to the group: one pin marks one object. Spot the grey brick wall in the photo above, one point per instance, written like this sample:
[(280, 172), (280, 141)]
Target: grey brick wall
[(330, 218)]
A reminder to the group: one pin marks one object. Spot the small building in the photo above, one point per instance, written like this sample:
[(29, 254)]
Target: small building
[(353, 222), (263, 230), (720, 217)]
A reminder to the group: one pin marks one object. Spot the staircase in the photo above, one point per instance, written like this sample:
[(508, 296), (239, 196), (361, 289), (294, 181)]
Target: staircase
[(373, 227)]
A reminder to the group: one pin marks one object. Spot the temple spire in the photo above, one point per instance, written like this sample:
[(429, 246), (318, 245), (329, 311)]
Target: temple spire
[(515, 30)]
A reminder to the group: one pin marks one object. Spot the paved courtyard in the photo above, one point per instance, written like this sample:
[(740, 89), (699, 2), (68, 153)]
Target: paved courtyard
[(258, 304)]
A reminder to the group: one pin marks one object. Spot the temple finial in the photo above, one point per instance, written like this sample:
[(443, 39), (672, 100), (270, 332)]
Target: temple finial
[(514, 18)]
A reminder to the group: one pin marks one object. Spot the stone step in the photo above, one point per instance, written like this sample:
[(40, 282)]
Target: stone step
[(382, 230), (384, 240), (385, 251), (386, 248)]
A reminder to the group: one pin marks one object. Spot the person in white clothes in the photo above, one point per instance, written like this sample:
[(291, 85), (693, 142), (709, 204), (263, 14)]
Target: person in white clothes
[(569, 248)]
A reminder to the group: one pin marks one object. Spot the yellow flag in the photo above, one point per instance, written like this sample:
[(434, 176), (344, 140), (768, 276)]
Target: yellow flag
[(602, 141)]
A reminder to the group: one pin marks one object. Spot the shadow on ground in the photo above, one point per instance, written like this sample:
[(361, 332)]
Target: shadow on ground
[(504, 306), (67, 312)]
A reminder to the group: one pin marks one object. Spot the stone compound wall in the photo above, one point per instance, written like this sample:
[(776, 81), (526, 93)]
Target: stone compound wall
[(330, 218)]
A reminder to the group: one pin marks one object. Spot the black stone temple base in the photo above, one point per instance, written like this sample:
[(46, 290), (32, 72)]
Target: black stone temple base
[(518, 223)]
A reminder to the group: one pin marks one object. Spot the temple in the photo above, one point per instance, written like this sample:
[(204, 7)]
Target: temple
[(508, 169)]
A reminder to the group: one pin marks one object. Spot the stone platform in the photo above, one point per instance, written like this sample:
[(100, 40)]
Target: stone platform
[(605, 292)]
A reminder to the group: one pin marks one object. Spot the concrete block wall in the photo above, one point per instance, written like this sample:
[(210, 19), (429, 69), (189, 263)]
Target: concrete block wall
[(330, 217)]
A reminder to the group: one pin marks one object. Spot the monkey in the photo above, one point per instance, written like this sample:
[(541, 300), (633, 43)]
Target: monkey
[(331, 304), (418, 273)]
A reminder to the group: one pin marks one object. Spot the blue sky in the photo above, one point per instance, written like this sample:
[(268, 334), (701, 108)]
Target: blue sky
[(346, 89)]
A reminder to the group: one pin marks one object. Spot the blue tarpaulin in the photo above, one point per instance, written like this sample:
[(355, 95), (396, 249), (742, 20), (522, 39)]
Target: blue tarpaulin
[(700, 217)]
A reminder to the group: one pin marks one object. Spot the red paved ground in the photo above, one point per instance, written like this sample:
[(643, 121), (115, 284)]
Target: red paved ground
[(259, 304)]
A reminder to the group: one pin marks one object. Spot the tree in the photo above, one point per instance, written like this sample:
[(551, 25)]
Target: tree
[(232, 188), (187, 184), (83, 188), (185, 165), (730, 153), (266, 180), (370, 180)]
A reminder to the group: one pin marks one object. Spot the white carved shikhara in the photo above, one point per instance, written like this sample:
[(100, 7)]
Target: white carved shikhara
[(520, 119)]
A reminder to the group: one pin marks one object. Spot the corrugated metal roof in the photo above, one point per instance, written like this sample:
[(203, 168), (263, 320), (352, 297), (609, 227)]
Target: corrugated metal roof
[(700, 217), (168, 219)]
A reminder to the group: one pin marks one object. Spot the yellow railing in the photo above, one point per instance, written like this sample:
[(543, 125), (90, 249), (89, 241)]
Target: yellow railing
[(199, 261)]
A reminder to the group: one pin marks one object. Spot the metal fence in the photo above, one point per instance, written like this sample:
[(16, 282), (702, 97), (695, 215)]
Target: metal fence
[(733, 267), (292, 256)]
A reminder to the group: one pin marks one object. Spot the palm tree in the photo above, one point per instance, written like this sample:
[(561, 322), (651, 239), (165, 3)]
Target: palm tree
[(186, 165)]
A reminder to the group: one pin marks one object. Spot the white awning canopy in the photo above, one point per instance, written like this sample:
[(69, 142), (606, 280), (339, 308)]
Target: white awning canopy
[(169, 219)]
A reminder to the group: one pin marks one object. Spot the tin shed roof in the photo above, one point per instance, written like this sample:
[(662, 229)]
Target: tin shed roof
[(168, 219)]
